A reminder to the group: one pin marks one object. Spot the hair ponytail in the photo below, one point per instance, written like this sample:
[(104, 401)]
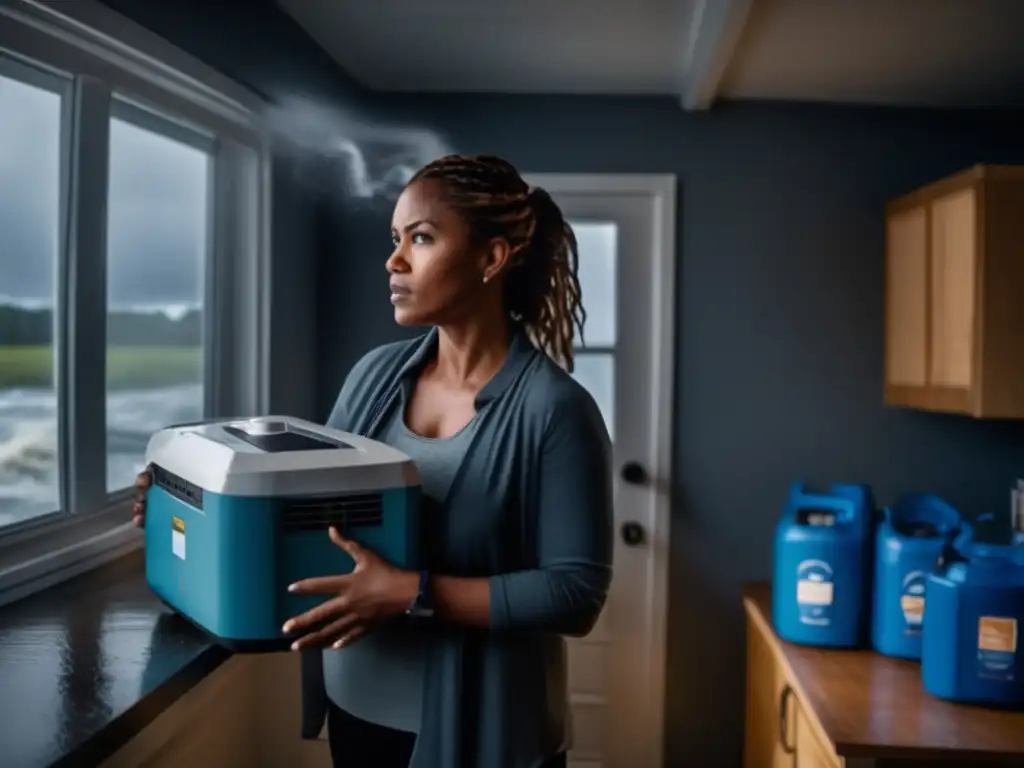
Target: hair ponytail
[(543, 291)]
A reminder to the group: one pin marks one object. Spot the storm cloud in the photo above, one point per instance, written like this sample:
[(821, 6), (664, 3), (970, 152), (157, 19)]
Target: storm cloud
[(157, 207)]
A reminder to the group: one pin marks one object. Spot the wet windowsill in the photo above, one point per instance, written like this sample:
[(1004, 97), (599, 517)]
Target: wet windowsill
[(89, 663)]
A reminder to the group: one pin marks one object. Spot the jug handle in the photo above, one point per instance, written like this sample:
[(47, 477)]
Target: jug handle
[(948, 555), (840, 506), (960, 536), (957, 539), (859, 494)]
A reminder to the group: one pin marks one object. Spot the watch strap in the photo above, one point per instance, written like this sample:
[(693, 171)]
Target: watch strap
[(421, 604)]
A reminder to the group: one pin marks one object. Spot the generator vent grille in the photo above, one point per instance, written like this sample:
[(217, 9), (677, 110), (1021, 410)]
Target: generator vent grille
[(357, 510), (181, 489)]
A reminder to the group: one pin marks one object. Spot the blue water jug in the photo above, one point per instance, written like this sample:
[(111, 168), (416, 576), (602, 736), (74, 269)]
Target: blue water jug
[(821, 574), (910, 537), (975, 610)]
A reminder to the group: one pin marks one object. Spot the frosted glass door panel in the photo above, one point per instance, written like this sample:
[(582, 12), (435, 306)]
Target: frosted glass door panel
[(597, 243), (596, 372)]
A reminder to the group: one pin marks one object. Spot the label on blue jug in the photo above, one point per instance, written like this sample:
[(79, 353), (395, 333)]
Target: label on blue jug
[(815, 592), (997, 647), (912, 600)]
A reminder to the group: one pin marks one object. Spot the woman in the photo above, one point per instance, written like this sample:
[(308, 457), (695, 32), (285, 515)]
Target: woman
[(464, 665)]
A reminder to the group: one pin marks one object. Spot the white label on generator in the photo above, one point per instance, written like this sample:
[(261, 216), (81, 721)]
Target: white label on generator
[(178, 537)]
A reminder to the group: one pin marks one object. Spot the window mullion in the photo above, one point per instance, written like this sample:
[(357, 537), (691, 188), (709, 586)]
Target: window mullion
[(85, 322), (236, 276), (69, 111), (218, 319), (258, 223)]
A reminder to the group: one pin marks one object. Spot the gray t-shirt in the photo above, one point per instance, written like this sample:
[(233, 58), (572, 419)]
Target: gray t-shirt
[(379, 678)]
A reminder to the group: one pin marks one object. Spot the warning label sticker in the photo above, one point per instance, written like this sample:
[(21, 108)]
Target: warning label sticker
[(178, 537)]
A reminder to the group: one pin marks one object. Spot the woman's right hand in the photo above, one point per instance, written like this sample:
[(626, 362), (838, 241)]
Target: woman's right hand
[(142, 483)]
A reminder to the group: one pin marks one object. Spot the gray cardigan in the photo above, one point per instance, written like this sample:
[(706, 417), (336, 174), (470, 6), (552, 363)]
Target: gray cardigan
[(531, 509)]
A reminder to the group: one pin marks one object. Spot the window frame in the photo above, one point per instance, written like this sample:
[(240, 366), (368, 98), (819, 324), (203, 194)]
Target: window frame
[(109, 67)]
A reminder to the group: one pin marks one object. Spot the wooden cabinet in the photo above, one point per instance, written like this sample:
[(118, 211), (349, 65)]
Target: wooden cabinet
[(832, 708), (246, 714), (780, 731), (210, 725), (954, 295), (278, 689), (810, 748)]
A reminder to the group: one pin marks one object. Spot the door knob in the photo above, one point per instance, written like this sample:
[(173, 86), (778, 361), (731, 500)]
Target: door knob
[(634, 473), (632, 534)]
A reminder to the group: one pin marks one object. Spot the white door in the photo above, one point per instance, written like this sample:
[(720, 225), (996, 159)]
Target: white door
[(625, 227)]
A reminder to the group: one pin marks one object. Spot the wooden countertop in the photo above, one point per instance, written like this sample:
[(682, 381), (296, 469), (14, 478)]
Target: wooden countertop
[(872, 706)]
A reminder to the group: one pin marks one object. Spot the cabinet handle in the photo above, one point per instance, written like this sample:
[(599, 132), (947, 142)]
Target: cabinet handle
[(784, 697)]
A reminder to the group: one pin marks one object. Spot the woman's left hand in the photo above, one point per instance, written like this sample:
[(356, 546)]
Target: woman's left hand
[(374, 592)]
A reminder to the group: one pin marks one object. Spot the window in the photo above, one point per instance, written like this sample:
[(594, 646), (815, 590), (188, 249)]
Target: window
[(133, 257), (30, 193), (157, 248)]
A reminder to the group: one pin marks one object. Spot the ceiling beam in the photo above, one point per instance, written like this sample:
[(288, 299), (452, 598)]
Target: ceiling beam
[(714, 33)]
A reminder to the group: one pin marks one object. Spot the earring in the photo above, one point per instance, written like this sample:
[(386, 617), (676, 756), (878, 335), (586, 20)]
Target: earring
[(485, 278)]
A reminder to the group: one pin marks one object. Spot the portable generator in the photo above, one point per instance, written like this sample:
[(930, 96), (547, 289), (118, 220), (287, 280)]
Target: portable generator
[(240, 509)]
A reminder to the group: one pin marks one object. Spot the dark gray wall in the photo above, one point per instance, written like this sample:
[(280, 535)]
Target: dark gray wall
[(779, 330), (779, 320)]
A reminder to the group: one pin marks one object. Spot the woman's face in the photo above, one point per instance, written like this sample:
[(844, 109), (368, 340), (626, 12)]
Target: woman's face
[(435, 276)]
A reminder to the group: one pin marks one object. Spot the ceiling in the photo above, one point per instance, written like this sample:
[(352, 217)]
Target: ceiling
[(911, 52)]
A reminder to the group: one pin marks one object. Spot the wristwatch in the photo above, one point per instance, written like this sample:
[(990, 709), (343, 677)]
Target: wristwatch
[(421, 607)]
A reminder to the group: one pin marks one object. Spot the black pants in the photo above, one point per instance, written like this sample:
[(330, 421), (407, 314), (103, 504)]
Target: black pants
[(356, 743)]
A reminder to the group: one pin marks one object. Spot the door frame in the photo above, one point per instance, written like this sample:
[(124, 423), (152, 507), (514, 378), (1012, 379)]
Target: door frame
[(662, 190)]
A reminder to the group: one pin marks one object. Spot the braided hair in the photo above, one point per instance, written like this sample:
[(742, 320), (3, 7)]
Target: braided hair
[(542, 288)]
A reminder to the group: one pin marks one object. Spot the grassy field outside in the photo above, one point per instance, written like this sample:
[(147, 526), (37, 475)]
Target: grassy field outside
[(127, 367)]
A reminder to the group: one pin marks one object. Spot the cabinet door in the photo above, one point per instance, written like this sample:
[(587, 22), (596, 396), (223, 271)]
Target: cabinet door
[(953, 269), (211, 725), (906, 303), (812, 751), (763, 746)]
